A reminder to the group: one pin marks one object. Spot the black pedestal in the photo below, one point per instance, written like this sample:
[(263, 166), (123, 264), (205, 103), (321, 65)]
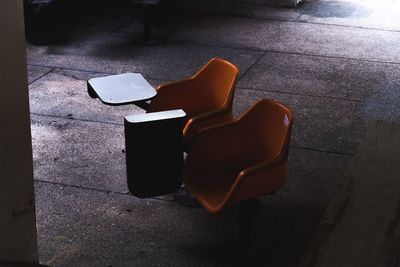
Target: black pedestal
[(154, 152)]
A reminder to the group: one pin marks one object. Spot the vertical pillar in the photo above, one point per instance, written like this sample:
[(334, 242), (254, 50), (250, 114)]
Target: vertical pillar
[(18, 242)]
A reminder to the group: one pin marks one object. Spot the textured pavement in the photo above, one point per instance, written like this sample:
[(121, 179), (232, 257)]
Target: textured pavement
[(335, 63)]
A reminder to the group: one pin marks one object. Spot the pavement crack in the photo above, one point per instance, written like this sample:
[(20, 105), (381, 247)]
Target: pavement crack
[(345, 26), (61, 68), (323, 151), (252, 65), (56, 67), (41, 76), (287, 52), (302, 13), (300, 94), (71, 118), (81, 187), (104, 191)]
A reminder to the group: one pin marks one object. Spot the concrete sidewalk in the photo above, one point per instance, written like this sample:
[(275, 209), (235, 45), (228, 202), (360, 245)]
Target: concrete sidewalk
[(360, 226), (335, 63)]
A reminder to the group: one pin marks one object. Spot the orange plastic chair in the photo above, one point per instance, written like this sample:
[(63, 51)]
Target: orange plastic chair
[(240, 160), (206, 97)]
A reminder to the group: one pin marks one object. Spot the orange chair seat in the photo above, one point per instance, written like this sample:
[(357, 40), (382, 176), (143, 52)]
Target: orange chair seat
[(211, 192)]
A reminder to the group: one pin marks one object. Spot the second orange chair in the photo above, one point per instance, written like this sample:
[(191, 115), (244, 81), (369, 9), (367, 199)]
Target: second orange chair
[(242, 159)]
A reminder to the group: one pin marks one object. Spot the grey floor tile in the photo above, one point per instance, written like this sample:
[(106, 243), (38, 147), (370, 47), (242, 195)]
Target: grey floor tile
[(320, 123), (320, 76), (79, 153), (36, 72), (78, 227), (384, 105), (64, 93), (312, 181), (116, 55), (291, 37)]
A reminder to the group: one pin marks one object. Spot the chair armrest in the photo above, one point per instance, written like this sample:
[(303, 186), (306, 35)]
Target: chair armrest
[(260, 179), (175, 84), (262, 166), (215, 132), (206, 120), (170, 96)]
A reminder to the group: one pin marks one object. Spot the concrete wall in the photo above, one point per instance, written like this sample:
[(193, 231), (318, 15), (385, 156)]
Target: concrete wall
[(17, 214)]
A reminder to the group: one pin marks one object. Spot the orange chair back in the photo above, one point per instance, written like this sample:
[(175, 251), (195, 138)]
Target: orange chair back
[(206, 98), (214, 83), (240, 160), (269, 123), (272, 123)]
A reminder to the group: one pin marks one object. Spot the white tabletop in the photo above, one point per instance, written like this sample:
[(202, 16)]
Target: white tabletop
[(122, 88)]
